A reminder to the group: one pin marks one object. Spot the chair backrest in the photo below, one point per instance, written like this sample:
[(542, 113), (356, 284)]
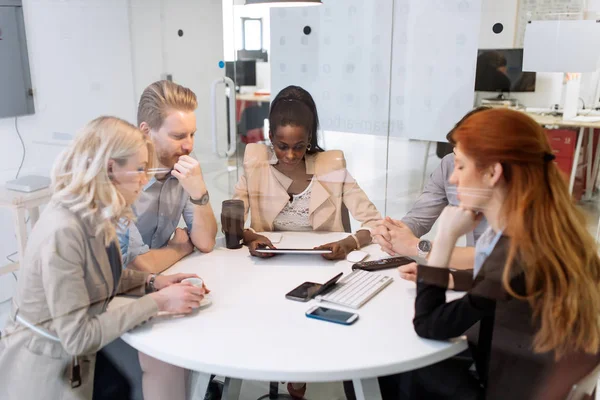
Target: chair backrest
[(585, 388), (443, 149), (346, 219), (252, 117)]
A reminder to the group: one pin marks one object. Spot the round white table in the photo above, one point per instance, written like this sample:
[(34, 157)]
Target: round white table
[(251, 331)]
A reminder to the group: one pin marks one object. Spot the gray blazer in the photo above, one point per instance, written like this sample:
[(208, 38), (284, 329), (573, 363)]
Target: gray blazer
[(64, 287)]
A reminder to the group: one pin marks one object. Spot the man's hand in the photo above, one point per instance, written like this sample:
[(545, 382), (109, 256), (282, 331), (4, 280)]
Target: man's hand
[(381, 236), (189, 174), (181, 242), (395, 238)]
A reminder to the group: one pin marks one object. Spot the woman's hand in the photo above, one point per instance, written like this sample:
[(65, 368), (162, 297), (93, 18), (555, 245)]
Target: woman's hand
[(408, 272), (339, 250), (162, 281), (457, 221), (179, 298), (260, 241)]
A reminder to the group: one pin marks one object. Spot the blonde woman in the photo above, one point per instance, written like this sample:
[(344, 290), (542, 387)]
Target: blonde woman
[(72, 268)]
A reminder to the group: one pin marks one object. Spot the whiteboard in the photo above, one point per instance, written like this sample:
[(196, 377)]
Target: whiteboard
[(539, 10), (403, 67), (562, 46), (435, 54), (344, 62)]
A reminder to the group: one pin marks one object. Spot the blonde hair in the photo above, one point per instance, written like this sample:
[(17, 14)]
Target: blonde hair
[(80, 176), (161, 97)]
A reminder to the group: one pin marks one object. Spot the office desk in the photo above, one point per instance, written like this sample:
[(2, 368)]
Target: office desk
[(592, 166), (252, 332), (20, 204), (245, 100), (259, 98)]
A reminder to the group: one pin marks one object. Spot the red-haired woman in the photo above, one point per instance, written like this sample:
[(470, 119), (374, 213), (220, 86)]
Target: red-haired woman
[(535, 286)]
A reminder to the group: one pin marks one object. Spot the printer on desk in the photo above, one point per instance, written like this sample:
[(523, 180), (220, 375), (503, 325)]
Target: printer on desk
[(29, 183)]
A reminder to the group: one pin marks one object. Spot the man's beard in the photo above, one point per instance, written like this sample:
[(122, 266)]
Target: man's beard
[(169, 160)]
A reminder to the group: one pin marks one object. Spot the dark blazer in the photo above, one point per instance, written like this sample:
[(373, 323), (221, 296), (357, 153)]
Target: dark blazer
[(506, 362)]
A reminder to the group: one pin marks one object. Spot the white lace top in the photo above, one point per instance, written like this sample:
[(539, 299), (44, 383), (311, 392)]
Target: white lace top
[(294, 216)]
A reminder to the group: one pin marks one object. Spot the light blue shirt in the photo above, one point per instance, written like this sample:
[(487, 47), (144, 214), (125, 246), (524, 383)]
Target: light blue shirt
[(484, 247), (158, 211), (437, 194)]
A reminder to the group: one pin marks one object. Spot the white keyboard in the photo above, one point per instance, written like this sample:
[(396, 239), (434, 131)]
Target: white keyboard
[(356, 289)]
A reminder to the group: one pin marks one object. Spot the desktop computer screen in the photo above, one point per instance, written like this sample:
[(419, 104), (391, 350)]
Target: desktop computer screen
[(244, 73), (501, 70)]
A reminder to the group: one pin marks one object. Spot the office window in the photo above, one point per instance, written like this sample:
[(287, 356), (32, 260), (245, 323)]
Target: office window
[(252, 38)]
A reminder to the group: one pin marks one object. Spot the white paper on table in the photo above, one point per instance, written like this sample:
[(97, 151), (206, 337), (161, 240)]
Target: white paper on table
[(586, 118)]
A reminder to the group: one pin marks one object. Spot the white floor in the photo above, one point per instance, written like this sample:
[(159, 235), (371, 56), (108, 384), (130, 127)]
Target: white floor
[(367, 161)]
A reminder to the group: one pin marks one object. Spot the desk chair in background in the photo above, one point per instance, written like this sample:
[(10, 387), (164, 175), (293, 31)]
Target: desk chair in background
[(251, 124), (443, 149)]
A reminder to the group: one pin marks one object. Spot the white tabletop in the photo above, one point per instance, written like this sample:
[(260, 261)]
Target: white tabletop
[(545, 119), (22, 199), (252, 332)]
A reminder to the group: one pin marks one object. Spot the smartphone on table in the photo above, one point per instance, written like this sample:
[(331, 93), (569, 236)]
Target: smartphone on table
[(308, 290), (332, 315)]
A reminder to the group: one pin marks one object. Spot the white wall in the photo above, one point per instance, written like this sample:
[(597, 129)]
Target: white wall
[(492, 12), (94, 57), (80, 70)]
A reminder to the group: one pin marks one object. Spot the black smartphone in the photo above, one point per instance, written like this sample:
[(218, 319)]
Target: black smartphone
[(308, 290), (386, 263)]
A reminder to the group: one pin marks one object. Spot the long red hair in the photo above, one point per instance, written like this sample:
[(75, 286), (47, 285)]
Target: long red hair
[(548, 235)]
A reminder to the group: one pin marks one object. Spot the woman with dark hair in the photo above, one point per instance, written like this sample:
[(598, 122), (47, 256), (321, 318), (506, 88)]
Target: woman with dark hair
[(297, 93), (294, 185)]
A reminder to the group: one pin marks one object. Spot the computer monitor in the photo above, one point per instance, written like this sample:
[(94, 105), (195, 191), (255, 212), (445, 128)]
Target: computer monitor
[(258, 55), (244, 74), (501, 70)]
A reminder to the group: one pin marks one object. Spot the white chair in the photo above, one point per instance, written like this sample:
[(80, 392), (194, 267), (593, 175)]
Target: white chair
[(585, 388)]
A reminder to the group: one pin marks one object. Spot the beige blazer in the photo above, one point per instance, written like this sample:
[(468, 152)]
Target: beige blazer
[(64, 287), (264, 190)]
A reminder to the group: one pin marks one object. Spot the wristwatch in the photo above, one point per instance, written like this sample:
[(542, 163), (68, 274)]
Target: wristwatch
[(202, 201), (151, 287), (423, 248)]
